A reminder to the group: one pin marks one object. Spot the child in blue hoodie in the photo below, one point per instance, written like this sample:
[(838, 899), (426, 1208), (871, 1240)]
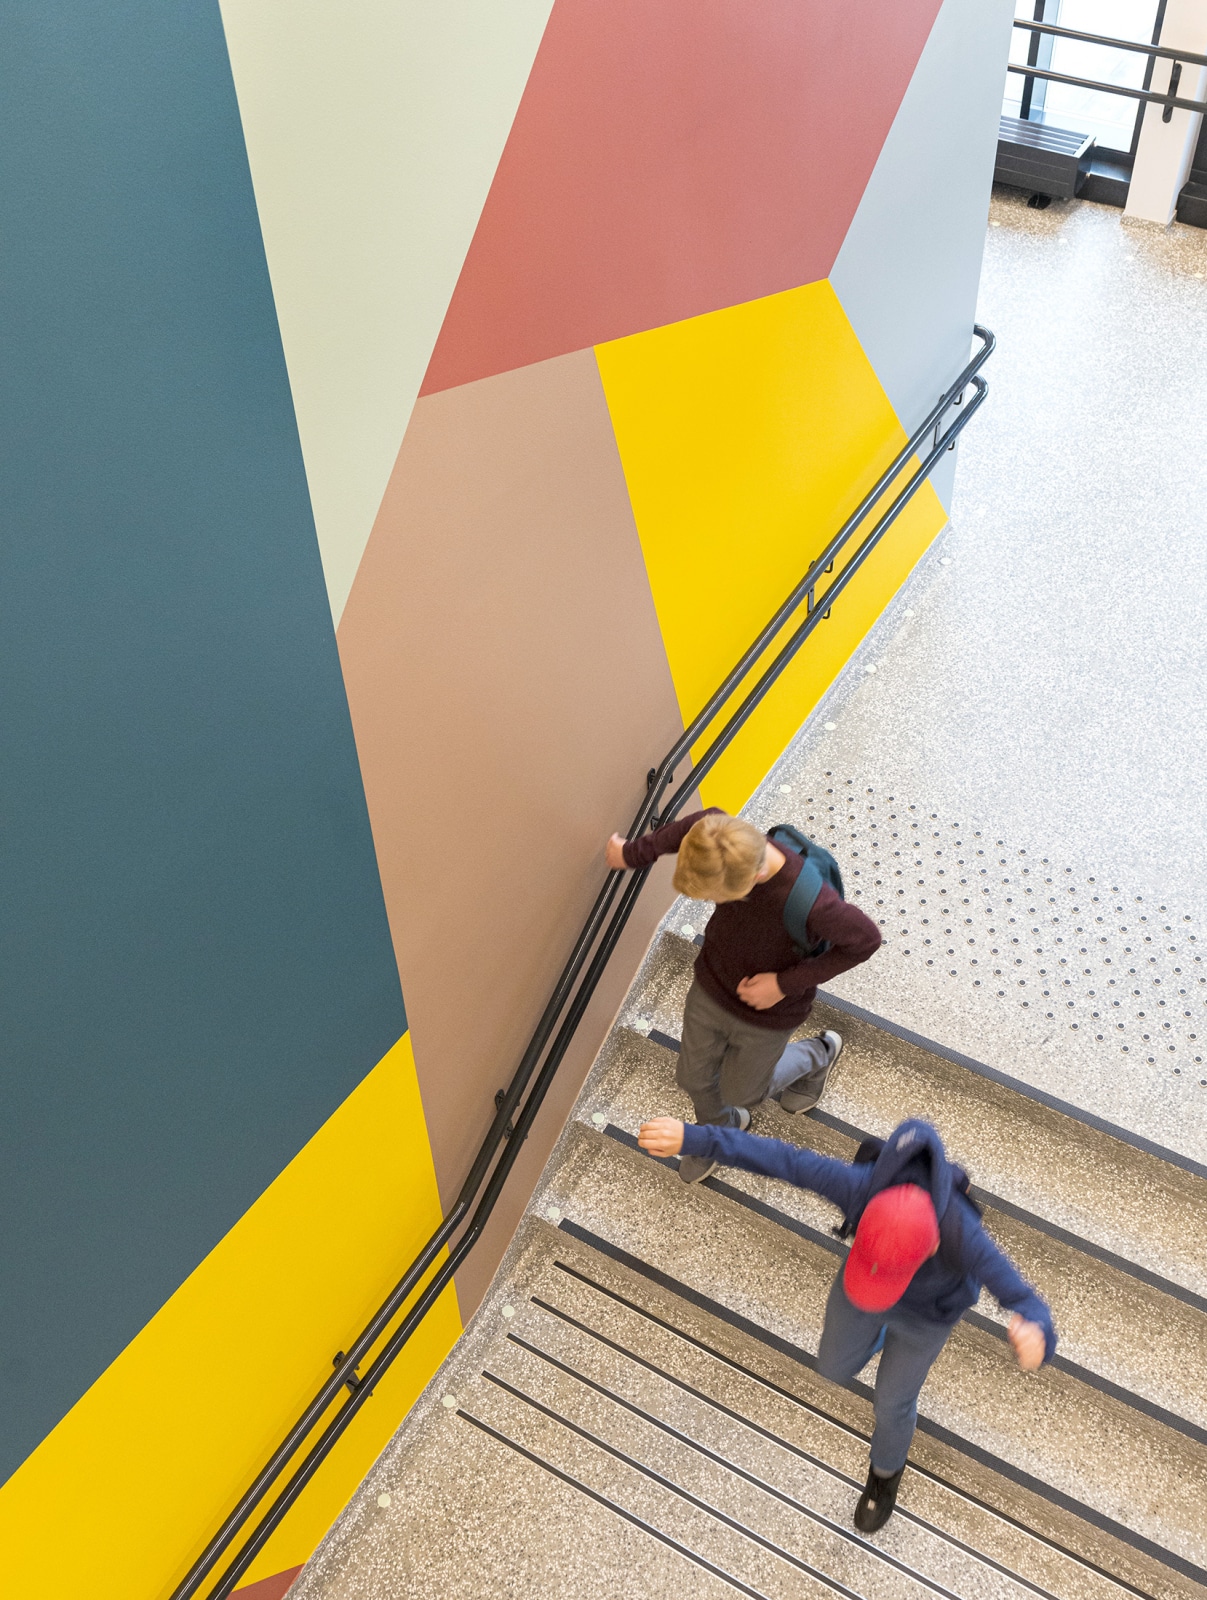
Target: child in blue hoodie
[(917, 1262)]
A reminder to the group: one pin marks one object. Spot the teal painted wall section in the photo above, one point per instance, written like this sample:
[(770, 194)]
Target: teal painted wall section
[(195, 966)]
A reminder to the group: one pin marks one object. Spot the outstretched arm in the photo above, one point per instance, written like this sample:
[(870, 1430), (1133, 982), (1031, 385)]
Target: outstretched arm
[(643, 852), (838, 1181)]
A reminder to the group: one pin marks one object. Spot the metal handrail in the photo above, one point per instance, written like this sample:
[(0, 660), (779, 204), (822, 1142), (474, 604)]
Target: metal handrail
[(1171, 101), (583, 969), (1167, 51)]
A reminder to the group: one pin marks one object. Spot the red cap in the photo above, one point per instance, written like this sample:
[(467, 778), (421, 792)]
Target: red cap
[(897, 1232)]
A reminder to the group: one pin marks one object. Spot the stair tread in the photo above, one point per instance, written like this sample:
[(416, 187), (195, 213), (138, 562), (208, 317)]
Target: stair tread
[(1051, 1426), (1124, 1200), (468, 1515)]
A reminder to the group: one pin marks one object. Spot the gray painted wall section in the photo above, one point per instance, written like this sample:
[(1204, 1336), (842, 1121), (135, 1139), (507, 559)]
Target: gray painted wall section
[(909, 267)]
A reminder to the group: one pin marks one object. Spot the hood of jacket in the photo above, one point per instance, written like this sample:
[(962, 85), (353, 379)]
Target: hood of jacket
[(913, 1153)]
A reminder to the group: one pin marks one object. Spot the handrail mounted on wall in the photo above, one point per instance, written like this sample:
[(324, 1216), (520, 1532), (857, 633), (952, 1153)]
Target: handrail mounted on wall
[(570, 997)]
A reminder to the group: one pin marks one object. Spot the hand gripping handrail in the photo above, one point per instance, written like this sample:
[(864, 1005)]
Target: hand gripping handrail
[(571, 995)]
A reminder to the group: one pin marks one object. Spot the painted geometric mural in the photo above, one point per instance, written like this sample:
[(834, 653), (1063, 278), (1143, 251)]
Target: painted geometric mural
[(668, 160), (419, 408)]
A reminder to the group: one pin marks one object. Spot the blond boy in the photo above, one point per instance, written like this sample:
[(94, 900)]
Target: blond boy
[(752, 988)]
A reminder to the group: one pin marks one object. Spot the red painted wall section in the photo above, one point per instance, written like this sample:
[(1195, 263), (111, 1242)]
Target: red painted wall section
[(274, 1588), (671, 157)]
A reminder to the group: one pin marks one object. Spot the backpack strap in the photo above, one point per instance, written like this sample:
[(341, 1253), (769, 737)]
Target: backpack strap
[(802, 897), (867, 1155), (960, 1183), (785, 834)]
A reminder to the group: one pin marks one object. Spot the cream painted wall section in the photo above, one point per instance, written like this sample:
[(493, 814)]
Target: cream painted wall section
[(1166, 149), (373, 130)]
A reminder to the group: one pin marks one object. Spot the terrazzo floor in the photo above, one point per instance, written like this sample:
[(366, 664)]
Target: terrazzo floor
[(426, 1522), (1033, 735), (1014, 792)]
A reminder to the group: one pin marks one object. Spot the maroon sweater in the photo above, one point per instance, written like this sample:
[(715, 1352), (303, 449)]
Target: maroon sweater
[(746, 937)]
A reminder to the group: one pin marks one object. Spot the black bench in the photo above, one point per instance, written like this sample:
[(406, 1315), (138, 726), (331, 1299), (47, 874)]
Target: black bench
[(1050, 161)]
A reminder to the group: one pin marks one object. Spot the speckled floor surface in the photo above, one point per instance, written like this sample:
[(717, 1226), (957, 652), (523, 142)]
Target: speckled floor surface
[(1045, 702), (449, 1510), (1110, 1322), (1014, 793)]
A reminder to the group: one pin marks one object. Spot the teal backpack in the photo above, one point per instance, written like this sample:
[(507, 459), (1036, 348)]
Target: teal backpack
[(818, 867)]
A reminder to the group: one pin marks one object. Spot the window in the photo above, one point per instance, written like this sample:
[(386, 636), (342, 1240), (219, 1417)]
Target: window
[(1110, 118)]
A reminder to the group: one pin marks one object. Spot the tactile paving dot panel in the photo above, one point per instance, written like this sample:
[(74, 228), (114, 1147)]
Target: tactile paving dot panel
[(1082, 955)]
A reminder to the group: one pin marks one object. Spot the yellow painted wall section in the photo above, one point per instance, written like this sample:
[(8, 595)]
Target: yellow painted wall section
[(747, 436), (123, 1494)]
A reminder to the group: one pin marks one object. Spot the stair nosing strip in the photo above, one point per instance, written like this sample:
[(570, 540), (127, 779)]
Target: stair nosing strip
[(845, 1427), (611, 1505), (1064, 1108), (1145, 1275), (668, 1484), (783, 1219), (758, 1429), (853, 1539), (955, 1441)]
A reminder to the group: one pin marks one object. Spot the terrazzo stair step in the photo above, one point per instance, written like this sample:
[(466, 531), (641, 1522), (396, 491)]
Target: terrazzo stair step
[(1052, 1429), (596, 1433), (1125, 1201), (1120, 1330), (701, 1391), (584, 1384), (750, 1534)]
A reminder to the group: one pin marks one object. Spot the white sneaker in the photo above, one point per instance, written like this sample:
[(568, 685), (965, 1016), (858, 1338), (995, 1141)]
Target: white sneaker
[(804, 1094)]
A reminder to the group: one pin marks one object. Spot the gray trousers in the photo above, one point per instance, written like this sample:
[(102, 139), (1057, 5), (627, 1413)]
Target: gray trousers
[(908, 1346), (726, 1062)]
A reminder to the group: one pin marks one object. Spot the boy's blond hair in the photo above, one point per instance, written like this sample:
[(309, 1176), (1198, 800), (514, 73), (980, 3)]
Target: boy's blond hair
[(719, 859)]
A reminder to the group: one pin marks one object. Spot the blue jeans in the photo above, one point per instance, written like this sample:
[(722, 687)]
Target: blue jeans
[(849, 1340)]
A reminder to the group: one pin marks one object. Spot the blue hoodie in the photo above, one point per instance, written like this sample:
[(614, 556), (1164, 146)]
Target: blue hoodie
[(944, 1287)]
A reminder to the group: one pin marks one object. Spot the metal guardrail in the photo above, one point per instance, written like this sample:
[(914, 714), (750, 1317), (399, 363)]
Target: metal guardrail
[(1169, 100), (1167, 52), (299, 1454)]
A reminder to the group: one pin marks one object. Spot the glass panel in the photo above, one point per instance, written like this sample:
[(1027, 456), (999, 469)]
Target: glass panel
[(1110, 118), (1020, 42)]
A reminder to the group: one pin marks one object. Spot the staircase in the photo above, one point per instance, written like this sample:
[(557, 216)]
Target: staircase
[(634, 1409)]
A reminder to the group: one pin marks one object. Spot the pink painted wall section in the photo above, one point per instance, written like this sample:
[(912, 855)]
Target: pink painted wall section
[(274, 1588), (509, 689), (671, 157)]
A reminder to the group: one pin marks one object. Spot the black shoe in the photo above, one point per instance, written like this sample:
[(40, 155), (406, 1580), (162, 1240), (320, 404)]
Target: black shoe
[(876, 1502)]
